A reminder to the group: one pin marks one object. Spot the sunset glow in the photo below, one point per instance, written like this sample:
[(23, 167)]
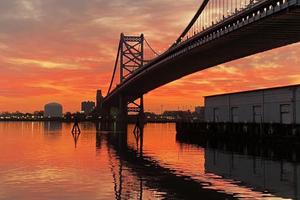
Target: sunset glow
[(65, 50)]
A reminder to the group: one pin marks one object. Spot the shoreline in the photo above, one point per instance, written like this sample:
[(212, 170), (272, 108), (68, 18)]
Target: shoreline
[(72, 121)]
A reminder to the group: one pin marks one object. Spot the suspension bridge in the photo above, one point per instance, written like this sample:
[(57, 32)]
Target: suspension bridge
[(220, 31)]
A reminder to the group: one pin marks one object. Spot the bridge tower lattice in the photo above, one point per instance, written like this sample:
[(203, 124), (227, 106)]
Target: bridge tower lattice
[(132, 58)]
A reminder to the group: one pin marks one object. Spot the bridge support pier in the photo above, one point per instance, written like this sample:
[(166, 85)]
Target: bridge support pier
[(137, 108), (128, 112), (122, 117)]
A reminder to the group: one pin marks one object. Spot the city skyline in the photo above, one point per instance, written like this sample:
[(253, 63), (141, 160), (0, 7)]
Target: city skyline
[(65, 51)]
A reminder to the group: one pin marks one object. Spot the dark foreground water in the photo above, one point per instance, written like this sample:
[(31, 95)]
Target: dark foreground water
[(44, 161)]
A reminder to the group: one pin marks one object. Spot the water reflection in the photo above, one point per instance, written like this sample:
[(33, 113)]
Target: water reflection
[(150, 173), (149, 164), (279, 177), (76, 132), (116, 171), (262, 168), (75, 137), (99, 140), (138, 133), (52, 126), (126, 184)]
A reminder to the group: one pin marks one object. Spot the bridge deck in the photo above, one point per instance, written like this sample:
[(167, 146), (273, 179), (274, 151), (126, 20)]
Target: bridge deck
[(240, 37)]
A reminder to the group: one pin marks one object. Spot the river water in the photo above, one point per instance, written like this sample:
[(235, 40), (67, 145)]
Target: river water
[(42, 160)]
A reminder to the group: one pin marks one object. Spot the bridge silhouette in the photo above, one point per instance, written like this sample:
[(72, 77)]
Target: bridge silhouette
[(221, 31)]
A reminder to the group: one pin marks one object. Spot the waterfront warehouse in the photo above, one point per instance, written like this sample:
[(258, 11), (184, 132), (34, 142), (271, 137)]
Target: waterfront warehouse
[(271, 105)]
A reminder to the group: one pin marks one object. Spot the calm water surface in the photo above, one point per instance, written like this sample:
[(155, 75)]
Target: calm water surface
[(44, 161)]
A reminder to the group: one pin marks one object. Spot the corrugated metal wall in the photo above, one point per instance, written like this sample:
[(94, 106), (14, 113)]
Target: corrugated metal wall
[(277, 105)]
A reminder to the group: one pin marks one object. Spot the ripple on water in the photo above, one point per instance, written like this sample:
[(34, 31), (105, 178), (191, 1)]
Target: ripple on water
[(41, 161)]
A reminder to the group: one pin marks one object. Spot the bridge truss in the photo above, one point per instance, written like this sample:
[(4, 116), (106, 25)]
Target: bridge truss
[(130, 57), (215, 19)]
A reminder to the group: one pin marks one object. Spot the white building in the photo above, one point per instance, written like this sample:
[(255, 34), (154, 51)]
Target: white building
[(53, 110), (272, 105)]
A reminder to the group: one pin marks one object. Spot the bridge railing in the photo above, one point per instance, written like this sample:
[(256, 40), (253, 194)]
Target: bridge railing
[(215, 12)]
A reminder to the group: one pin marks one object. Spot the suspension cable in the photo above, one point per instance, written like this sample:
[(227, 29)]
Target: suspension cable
[(187, 29), (115, 69), (157, 54)]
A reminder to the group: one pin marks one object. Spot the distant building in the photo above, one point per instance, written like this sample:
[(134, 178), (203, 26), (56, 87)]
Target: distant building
[(177, 115), (53, 110), (87, 107), (99, 99), (273, 105)]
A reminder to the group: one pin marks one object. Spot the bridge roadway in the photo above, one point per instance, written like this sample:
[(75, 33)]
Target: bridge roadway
[(259, 28)]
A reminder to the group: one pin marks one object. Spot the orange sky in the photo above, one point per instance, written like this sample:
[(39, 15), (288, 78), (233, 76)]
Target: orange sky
[(63, 50)]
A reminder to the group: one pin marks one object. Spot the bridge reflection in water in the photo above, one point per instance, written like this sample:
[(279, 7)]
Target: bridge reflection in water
[(226, 174), (110, 165), (148, 171)]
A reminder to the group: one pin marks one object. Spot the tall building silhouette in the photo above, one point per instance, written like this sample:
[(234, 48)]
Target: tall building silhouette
[(99, 99)]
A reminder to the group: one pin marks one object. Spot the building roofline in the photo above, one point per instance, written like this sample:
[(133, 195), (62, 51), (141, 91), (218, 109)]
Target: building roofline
[(53, 103), (256, 90)]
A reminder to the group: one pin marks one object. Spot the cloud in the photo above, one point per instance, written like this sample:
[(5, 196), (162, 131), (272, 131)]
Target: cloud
[(42, 64), (3, 46), (65, 49)]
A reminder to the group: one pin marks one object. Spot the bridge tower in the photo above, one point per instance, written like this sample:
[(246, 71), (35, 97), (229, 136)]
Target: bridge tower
[(131, 58), (132, 55)]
